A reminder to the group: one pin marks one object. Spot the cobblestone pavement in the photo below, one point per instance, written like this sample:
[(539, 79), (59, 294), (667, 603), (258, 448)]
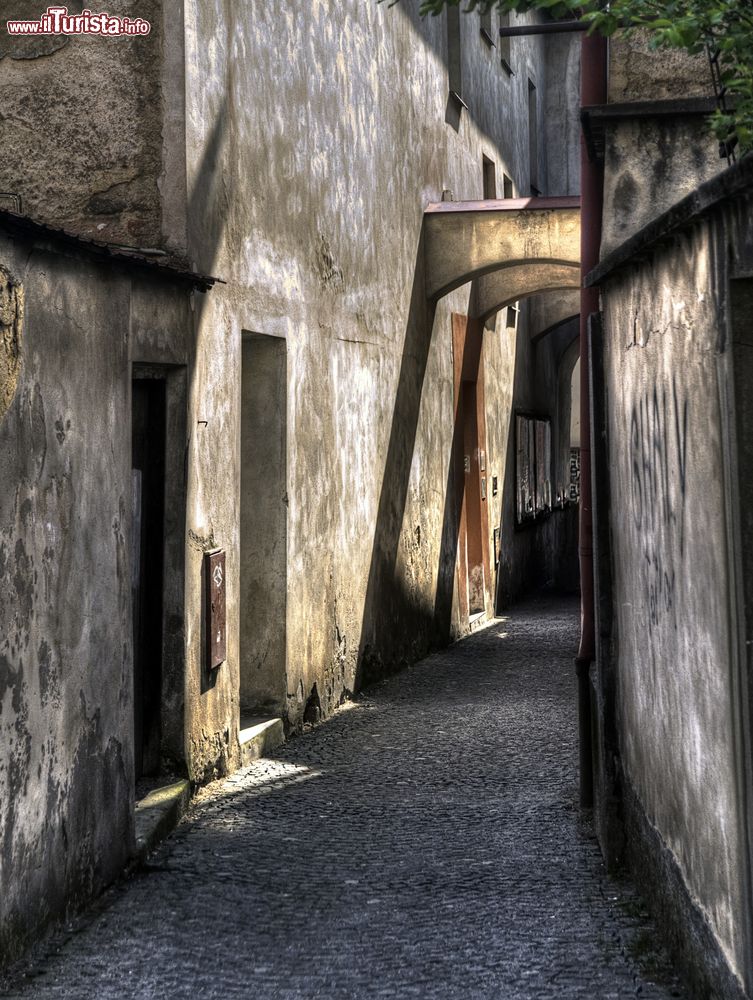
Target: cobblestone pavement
[(425, 842)]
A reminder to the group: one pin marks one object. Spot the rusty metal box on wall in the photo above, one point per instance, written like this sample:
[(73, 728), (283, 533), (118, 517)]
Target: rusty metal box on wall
[(215, 580)]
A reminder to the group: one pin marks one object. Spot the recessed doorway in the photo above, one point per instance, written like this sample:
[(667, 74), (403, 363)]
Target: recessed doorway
[(148, 542), (264, 531)]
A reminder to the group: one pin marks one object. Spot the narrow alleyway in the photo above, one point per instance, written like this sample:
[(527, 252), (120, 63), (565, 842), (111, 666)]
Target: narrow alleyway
[(425, 842)]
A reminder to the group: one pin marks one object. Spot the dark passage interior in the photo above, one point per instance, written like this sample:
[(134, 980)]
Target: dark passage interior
[(148, 485), (473, 459)]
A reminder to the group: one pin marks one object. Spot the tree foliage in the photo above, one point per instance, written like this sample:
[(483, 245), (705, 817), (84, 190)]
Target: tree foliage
[(719, 26)]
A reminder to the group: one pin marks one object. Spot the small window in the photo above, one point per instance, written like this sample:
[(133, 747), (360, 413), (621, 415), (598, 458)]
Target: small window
[(512, 317), (533, 138), (489, 178), (533, 463), (504, 45), (486, 27), (454, 64), (507, 190)]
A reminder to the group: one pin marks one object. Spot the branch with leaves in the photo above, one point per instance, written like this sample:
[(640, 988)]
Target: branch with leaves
[(719, 26)]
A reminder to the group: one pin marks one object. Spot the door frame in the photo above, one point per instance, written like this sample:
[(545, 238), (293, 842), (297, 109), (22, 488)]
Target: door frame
[(468, 369)]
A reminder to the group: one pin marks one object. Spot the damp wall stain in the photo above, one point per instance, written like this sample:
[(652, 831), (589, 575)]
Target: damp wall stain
[(669, 369), (66, 772), (11, 327)]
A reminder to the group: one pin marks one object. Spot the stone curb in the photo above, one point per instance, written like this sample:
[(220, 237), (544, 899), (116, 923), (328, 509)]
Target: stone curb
[(259, 739), (157, 815)]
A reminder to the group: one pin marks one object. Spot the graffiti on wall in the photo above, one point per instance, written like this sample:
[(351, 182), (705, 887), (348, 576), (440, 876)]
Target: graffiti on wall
[(659, 466)]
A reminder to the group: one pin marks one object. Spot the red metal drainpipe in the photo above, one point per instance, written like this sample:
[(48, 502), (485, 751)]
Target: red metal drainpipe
[(593, 90)]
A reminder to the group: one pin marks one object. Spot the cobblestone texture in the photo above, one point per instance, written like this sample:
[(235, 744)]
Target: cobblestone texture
[(425, 842)]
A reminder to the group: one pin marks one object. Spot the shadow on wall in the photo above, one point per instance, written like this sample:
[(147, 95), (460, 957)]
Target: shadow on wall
[(565, 572), (206, 220), (384, 648), (206, 227), (397, 628), (448, 550), (206, 210), (448, 571), (437, 42)]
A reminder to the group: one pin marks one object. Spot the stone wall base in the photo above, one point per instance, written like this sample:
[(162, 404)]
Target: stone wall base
[(686, 931)]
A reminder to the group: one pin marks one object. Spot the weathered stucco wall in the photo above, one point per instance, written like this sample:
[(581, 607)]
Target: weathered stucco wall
[(80, 125), (681, 707), (65, 647), (66, 710), (638, 72), (307, 181), (650, 164), (293, 153), (652, 161)]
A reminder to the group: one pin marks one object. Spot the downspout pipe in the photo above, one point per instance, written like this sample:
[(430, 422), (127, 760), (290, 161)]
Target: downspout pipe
[(593, 90)]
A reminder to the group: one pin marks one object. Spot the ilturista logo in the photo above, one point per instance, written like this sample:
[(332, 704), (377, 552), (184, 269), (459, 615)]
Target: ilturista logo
[(57, 21)]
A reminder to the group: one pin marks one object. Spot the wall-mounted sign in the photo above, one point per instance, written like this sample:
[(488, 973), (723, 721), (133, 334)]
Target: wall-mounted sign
[(214, 578)]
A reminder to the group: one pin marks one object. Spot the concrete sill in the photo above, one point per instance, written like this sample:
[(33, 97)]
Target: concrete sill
[(455, 96), (258, 737), (477, 621), (157, 815)]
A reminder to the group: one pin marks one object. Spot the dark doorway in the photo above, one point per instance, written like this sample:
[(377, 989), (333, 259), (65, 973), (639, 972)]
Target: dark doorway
[(472, 461), (148, 488), (489, 177)]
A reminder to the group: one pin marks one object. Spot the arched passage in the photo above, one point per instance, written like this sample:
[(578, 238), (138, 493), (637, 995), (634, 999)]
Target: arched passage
[(508, 251), (565, 569), (536, 243), (549, 313), (506, 285), (467, 240)]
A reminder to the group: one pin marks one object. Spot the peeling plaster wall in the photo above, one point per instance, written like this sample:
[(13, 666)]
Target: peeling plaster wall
[(11, 326), (314, 143), (638, 72), (680, 699), (66, 710), (292, 152), (681, 718), (651, 163), (80, 125)]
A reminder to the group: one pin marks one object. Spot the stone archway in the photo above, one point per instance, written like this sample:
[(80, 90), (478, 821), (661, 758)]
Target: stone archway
[(513, 283), (552, 311), (467, 240), (507, 251)]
